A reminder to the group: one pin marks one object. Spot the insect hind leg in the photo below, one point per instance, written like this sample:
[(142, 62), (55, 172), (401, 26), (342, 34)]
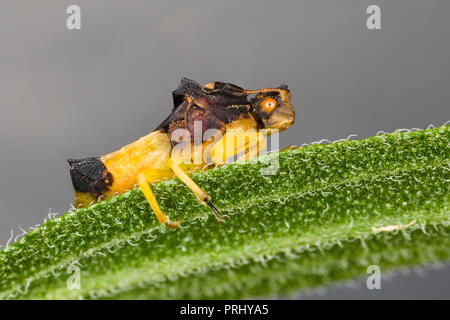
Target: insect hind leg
[(143, 182)]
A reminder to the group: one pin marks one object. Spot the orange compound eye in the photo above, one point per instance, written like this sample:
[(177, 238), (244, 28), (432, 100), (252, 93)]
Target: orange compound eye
[(269, 104)]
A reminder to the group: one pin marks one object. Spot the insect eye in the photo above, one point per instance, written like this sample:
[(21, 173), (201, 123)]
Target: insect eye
[(269, 104)]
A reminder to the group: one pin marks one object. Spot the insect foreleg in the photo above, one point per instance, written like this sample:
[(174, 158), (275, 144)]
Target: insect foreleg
[(237, 141)]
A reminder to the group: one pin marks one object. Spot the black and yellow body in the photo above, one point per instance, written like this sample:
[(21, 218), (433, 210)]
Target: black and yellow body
[(196, 134)]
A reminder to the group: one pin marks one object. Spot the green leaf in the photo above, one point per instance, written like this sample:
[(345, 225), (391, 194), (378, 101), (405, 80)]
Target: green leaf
[(328, 213)]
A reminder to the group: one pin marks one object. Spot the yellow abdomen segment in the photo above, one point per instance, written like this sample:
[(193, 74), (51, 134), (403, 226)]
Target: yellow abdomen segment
[(149, 152)]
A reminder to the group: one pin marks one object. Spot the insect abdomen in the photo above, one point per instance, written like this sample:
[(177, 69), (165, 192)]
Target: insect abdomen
[(90, 178)]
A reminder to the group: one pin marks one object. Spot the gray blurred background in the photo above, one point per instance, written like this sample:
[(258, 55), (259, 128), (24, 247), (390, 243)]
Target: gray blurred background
[(78, 93)]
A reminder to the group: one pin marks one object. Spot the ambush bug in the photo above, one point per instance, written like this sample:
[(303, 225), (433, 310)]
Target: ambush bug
[(218, 112)]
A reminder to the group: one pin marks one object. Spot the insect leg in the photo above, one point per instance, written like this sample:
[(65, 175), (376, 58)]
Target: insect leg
[(250, 153), (145, 187), (201, 195), (237, 141)]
